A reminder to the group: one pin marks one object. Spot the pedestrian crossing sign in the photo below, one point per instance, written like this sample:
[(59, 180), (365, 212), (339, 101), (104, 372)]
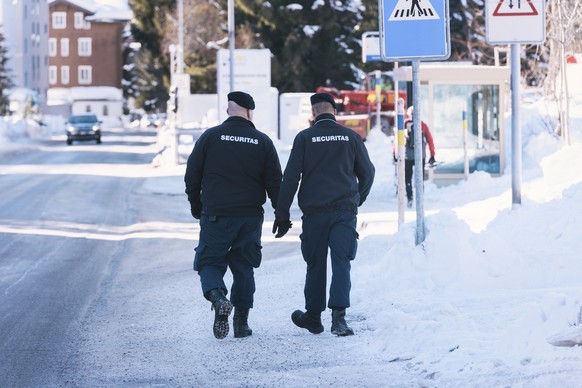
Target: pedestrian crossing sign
[(515, 21), (414, 29), (413, 11)]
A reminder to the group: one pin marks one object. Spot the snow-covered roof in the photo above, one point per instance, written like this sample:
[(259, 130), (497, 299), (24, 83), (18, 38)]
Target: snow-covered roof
[(102, 10), (21, 94), (84, 93), (85, 5)]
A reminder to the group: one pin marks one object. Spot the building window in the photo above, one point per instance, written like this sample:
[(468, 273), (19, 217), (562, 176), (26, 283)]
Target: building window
[(85, 75), (59, 20), (52, 47), (64, 47), (52, 75), (79, 21), (105, 110), (88, 108), (84, 47), (65, 75)]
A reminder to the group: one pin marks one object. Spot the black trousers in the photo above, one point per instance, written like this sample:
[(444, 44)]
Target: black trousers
[(229, 243), (408, 171), (334, 231)]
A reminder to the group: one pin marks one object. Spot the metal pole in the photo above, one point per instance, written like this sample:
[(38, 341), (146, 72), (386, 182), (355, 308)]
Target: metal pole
[(396, 94), (172, 49), (515, 127), (231, 42), (179, 70), (465, 144), (400, 151), (378, 75), (180, 67), (418, 165)]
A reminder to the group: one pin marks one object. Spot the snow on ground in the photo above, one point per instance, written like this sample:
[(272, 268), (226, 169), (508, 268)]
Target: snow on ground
[(477, 304)]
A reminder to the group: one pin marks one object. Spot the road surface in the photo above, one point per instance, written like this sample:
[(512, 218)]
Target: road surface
[(80, 227)]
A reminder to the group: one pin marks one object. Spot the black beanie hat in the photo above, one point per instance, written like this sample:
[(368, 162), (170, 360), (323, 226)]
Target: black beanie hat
[(242, 99), (323, 97)]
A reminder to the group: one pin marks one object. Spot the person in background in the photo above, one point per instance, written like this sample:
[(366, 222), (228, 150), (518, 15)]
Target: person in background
[(409, 152), (336, 176), (229, 174)]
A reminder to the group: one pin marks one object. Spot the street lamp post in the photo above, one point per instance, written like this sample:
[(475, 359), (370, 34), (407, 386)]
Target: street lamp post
[(231, 41)]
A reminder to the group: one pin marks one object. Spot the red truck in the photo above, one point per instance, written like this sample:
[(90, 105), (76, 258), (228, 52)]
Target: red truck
[(357, 108)]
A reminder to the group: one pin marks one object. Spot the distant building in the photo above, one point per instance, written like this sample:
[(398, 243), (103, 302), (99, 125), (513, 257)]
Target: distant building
[(25, 28), (85, 51)]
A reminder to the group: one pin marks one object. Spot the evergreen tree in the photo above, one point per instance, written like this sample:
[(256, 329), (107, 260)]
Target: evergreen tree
[(151, 61), (311, 41), (149, 90), (5, 77), (130, 81), (467, 25)]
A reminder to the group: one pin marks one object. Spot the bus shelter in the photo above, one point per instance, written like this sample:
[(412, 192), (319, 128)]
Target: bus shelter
[(452, 92)]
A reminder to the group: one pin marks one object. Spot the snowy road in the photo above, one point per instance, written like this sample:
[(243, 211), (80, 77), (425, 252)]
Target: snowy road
[(64, 214)]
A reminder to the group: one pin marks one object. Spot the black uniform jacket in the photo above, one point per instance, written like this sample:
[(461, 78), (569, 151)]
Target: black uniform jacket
[(230, 169), (334, 168)]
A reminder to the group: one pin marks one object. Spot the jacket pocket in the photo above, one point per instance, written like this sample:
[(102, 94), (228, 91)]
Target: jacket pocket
[(198, 256), (355, 246), (256, 256)]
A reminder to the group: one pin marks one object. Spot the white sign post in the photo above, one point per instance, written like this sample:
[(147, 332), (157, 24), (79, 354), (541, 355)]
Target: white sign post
[(371, 47), (515, 22), (252, 74)]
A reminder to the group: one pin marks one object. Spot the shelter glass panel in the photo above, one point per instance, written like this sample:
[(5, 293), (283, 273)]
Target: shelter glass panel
[(483, 128)]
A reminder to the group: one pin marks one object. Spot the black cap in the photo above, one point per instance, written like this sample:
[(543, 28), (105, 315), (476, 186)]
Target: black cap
[(242, 99), (323, 97)]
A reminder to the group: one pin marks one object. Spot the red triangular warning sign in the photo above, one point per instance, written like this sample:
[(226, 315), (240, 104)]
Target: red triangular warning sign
[(513, 8)]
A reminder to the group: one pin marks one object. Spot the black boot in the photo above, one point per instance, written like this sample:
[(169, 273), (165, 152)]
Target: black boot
[(240, 323), (339, 326), (308, 320), (222, 308)]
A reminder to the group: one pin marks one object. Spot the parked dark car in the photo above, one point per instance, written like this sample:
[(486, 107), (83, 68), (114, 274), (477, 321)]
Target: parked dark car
[(83, 127)]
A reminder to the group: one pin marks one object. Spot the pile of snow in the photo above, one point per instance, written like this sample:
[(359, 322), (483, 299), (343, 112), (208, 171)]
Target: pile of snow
[(15, 129)]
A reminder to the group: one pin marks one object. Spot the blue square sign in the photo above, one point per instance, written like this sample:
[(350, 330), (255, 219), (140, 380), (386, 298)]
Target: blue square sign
[(414, 29)]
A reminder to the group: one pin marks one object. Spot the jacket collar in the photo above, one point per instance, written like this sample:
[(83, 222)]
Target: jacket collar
[(238, 119), (324, 117)]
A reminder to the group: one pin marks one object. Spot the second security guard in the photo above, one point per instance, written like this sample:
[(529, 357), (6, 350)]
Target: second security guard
[(336, 175)]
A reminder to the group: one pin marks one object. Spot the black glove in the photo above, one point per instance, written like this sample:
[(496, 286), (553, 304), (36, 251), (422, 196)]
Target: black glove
[(196, 211), (431, 161), (281, 228)]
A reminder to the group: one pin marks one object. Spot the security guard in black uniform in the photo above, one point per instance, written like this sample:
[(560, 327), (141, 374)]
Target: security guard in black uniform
[(231, 170), (336, 176)]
